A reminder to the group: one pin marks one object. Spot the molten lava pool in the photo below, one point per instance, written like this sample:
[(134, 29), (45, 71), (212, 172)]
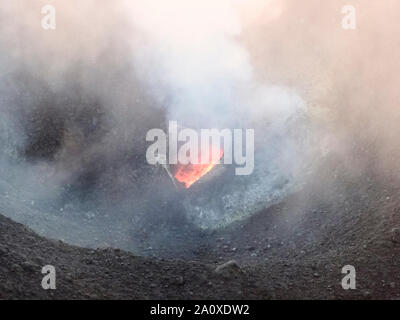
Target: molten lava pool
[(190, 173)]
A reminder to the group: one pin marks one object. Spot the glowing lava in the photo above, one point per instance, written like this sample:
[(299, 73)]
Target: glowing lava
[(190, 173)]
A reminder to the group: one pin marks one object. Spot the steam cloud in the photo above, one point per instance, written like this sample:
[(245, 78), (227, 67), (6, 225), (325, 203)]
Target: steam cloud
[(190, 54)]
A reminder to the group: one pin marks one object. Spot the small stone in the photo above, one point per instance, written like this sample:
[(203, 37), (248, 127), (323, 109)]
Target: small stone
[(68, 277), (395, 235), (28, 265), (180, 281), (366, 293), (16, 267), (231, 265), (89, 261)]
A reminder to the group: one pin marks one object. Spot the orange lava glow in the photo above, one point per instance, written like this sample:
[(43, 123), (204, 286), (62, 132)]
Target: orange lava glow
[(190, 173)]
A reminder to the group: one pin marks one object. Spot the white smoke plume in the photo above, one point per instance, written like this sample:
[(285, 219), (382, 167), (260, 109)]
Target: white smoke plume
[(191, 55)]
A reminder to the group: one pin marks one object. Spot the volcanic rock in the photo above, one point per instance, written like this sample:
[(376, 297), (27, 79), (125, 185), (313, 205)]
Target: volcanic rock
[(228, 267)]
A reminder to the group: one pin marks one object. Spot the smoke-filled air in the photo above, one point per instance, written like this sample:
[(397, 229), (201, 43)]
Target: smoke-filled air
[(77, 102)]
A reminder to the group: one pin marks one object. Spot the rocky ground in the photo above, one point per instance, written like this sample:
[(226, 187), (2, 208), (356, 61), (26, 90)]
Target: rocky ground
[(295, 249)]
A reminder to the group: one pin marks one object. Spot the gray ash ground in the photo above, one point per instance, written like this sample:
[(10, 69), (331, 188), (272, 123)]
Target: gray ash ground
[(293, 250)]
